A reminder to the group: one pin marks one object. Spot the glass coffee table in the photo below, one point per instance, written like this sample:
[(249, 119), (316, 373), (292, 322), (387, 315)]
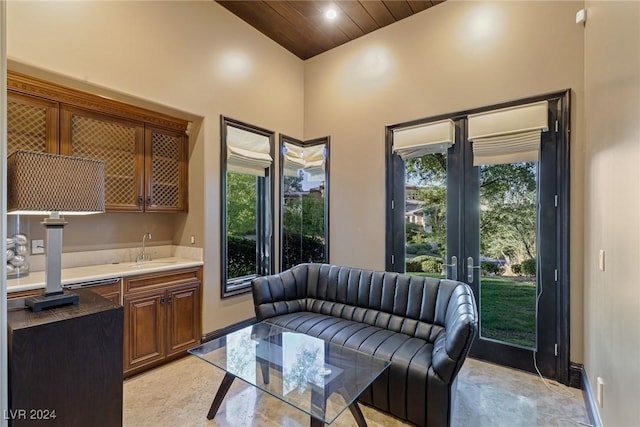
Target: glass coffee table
[(314, 376)]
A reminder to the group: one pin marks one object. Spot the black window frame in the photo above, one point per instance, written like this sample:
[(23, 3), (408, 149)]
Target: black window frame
[(265, 213), (326, 140)]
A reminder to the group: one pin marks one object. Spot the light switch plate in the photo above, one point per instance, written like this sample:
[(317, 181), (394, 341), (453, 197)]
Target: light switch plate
[(600, 391), (581, 16), (601, 259), (37, 247)]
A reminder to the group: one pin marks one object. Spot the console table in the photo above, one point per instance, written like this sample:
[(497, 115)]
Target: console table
[(65, 364)]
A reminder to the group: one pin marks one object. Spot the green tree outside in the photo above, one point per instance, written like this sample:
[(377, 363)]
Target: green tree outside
[(242, 199), (303, 224), (507, 202)]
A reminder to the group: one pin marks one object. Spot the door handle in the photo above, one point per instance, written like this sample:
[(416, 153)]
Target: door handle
[(470, 268), (454, 267)]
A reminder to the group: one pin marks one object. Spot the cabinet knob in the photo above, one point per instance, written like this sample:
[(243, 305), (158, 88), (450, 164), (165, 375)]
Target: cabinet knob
[(170, 298), (149, 201), (162, 300), (140, 201)]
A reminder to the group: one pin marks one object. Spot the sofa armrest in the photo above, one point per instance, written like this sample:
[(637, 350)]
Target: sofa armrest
[(461, 323), (280, 293)]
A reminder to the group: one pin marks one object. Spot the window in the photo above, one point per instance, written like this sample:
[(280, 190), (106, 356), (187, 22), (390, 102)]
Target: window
[(304, 202), (247, 214)]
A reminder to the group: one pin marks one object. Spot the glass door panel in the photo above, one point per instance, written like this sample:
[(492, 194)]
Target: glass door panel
[(425, 215), (508, 253)]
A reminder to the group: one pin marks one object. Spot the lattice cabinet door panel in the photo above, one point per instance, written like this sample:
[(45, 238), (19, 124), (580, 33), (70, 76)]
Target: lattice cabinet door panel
[(119, 142), (166, 169), (32, 124)]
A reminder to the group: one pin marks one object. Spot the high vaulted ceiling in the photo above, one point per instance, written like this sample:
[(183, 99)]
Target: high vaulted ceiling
[(302, 28)]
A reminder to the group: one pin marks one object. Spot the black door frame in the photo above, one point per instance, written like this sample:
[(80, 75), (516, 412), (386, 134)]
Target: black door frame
[(552, 359)]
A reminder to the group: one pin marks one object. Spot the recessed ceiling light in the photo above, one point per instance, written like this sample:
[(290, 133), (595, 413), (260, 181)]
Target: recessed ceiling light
[(331, 14)]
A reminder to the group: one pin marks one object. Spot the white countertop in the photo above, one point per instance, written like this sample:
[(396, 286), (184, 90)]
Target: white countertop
[(97, 272)]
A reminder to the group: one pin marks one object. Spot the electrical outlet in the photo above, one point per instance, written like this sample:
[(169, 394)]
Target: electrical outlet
[(601, 259), (37, 247), (600, 392)]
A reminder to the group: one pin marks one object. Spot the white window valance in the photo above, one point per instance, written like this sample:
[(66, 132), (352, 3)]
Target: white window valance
[(508, 135), (247, 152), (292, 159), (311, 159), (314, 162), (416, 141)]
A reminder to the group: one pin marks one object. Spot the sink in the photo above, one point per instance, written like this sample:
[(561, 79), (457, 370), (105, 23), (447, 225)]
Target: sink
[(150, 264)]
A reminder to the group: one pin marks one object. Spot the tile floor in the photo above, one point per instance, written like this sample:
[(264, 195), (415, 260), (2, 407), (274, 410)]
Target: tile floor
[(179, 395)]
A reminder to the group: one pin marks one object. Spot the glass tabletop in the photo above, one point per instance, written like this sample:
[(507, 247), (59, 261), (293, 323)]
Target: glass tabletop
[(315, 376)]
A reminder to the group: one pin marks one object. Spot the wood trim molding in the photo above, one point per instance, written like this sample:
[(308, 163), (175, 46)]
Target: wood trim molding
[(21, 83), (23, 294), (228, 329)]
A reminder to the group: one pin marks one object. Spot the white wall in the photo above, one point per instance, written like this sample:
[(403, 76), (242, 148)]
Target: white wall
[(192, 56), (612, 207), (455, 56)]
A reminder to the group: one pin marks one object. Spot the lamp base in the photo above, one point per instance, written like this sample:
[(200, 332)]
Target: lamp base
[(44, 301)]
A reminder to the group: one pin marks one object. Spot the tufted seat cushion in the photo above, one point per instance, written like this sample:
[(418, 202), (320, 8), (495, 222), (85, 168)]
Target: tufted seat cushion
[(424, 326)]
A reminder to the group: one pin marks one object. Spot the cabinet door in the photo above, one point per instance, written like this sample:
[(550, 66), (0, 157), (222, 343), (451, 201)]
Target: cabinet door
[(183, 317), (119, 142), (32, 124), (144, 320), (166, 169)]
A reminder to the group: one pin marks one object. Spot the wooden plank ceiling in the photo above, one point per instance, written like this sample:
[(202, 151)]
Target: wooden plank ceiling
[(302, 28)]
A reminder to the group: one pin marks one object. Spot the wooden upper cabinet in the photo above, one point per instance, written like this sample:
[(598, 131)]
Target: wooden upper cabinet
[(119, 142), (145, 152), (32, 124), (166, 170)]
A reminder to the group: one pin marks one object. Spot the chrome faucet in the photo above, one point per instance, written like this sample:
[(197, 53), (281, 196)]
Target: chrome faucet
[(143, 255)]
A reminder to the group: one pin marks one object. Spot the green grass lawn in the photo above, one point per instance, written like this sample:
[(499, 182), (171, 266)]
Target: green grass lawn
[(507, 310)]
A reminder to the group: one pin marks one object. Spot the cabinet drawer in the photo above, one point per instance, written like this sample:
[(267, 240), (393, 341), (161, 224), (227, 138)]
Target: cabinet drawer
[(161, 279)]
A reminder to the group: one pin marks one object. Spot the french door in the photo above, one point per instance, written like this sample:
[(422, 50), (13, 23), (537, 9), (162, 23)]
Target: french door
[(501, 228)]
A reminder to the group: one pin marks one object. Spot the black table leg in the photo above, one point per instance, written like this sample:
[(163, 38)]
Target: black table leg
[(357, 414), (316, 422), (264, 367), (318, 404), (222, 392)]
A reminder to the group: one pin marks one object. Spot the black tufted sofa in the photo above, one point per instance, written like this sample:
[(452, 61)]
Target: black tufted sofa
[(425, 326)]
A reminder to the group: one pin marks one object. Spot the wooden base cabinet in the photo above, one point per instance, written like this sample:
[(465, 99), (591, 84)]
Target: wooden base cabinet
[(162, 317)]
